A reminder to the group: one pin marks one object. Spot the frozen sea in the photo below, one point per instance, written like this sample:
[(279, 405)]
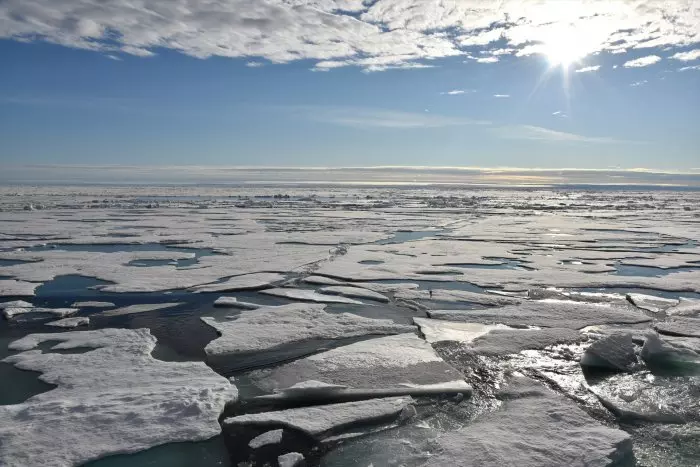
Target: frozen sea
[(349, 326)]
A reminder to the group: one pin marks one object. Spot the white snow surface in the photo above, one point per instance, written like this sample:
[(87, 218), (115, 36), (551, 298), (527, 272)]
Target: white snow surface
[(404, 360), (142, 308), (291, 459), (318, 421), (113, 399), (651, 302), (232, 302), (16, 288), (244, 282), (70, 322), (533, 428), (92, 304), (272, 326), (457, 296), (436, 330), (11, 313), (269, 437), (15, 304), (354, 292), (309, 296)]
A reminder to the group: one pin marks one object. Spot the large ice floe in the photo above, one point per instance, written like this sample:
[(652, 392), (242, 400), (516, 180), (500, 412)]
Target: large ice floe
[(113, 398), (268, 327)]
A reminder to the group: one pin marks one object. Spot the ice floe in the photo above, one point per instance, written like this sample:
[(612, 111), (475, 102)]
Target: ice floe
[(142, 308), (382, 363), (547, 313), (354, 292), (244, 282), (273, 326), (114, 398), (16, 288), (92, 304), (309, 296), (615, 352), (232, 302), (650, 302), (457, 296), (291, 459), (12, 313), (70, 322), (320, 421), (680, 326), (269, 437)]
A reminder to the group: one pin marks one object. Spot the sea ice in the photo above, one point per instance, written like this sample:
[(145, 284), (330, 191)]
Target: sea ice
[(457, 296), (354, 292), (680, 326), (232, 302), (15, 288), (11, 313), (244, 282), (291, 459), (309, 296), (547, 313), (534, 427), (70, 322), (143, 308), (269, 437), (113, 399), (650, 302), (614, 352), (92, 304), (272, 326), (686, 307), (320, 421)]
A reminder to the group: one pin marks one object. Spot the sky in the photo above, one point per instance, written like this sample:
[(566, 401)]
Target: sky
[(547, 84)]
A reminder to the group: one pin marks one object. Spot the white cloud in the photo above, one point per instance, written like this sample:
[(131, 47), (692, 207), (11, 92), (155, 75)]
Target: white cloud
[(642, 62), (501, 96), (375, 35), (588, 69), (559, 114), (687, 56), (360, 117), (688, 68), (536, 133), (639, 83), (254, 64), (456, 92)]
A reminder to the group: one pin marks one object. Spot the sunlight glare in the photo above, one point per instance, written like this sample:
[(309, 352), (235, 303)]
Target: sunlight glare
[(565, 46)]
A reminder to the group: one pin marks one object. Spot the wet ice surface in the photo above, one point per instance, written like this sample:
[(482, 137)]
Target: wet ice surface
[(493, 299)]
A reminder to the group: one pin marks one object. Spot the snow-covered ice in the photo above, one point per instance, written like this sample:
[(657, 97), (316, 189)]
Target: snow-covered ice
[(12, 313), (70, 322), (354, 292), (16, 288), (270, 327), (309, 296), (92, 304), (244, 282), (232, 302), (114, 398), (143, 308), (269, 437), (291, 459)]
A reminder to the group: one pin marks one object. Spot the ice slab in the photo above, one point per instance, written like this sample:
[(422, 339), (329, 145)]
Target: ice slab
[(269, 437), (680, 326), (309, 296), (16, 288), (381, 364), (659, 354), (92, 304), (272, 326), (650, 302), (320, 421), (457, 296), (547, 313), (354, 292), (244, 282), (686, 307), (533, 428), (115, 398), (142, 308), (436, 330), (291, 459), (15, 304), (70, 322), (12, 313), (232, 302), (614, 352)]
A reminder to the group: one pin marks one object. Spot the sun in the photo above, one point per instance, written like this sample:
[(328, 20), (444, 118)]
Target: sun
[(565, 46)]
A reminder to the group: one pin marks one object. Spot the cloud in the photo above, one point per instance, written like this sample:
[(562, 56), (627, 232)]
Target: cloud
[(501, 96), (559, 114), (639, 83), (688, 68), (588, 69), (360, 117), (536, 133), (376, 35), (642, 62), (687, 56), (254, 64), (457, 92)]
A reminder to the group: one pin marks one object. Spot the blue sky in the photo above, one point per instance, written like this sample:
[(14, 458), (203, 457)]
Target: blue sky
[(342, 83)]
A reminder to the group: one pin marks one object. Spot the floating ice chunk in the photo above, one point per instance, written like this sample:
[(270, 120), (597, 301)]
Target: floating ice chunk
[(659, 354), (114, 399), (436, 330), (232, 302), (269, 437), (11, 313), (680, 326), (686, 307), (309, 296), (354, 292), (269, 327), (500, 342), (457, 296), (291, 459), (143, 308), (312, 387), (15, 288), (322, 280), (92, 304), (380, 364), (533, 427), (244, 282), (320, 421), (15, 304), (650, 302), (70, 322), (547, 313), (615, 352)]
